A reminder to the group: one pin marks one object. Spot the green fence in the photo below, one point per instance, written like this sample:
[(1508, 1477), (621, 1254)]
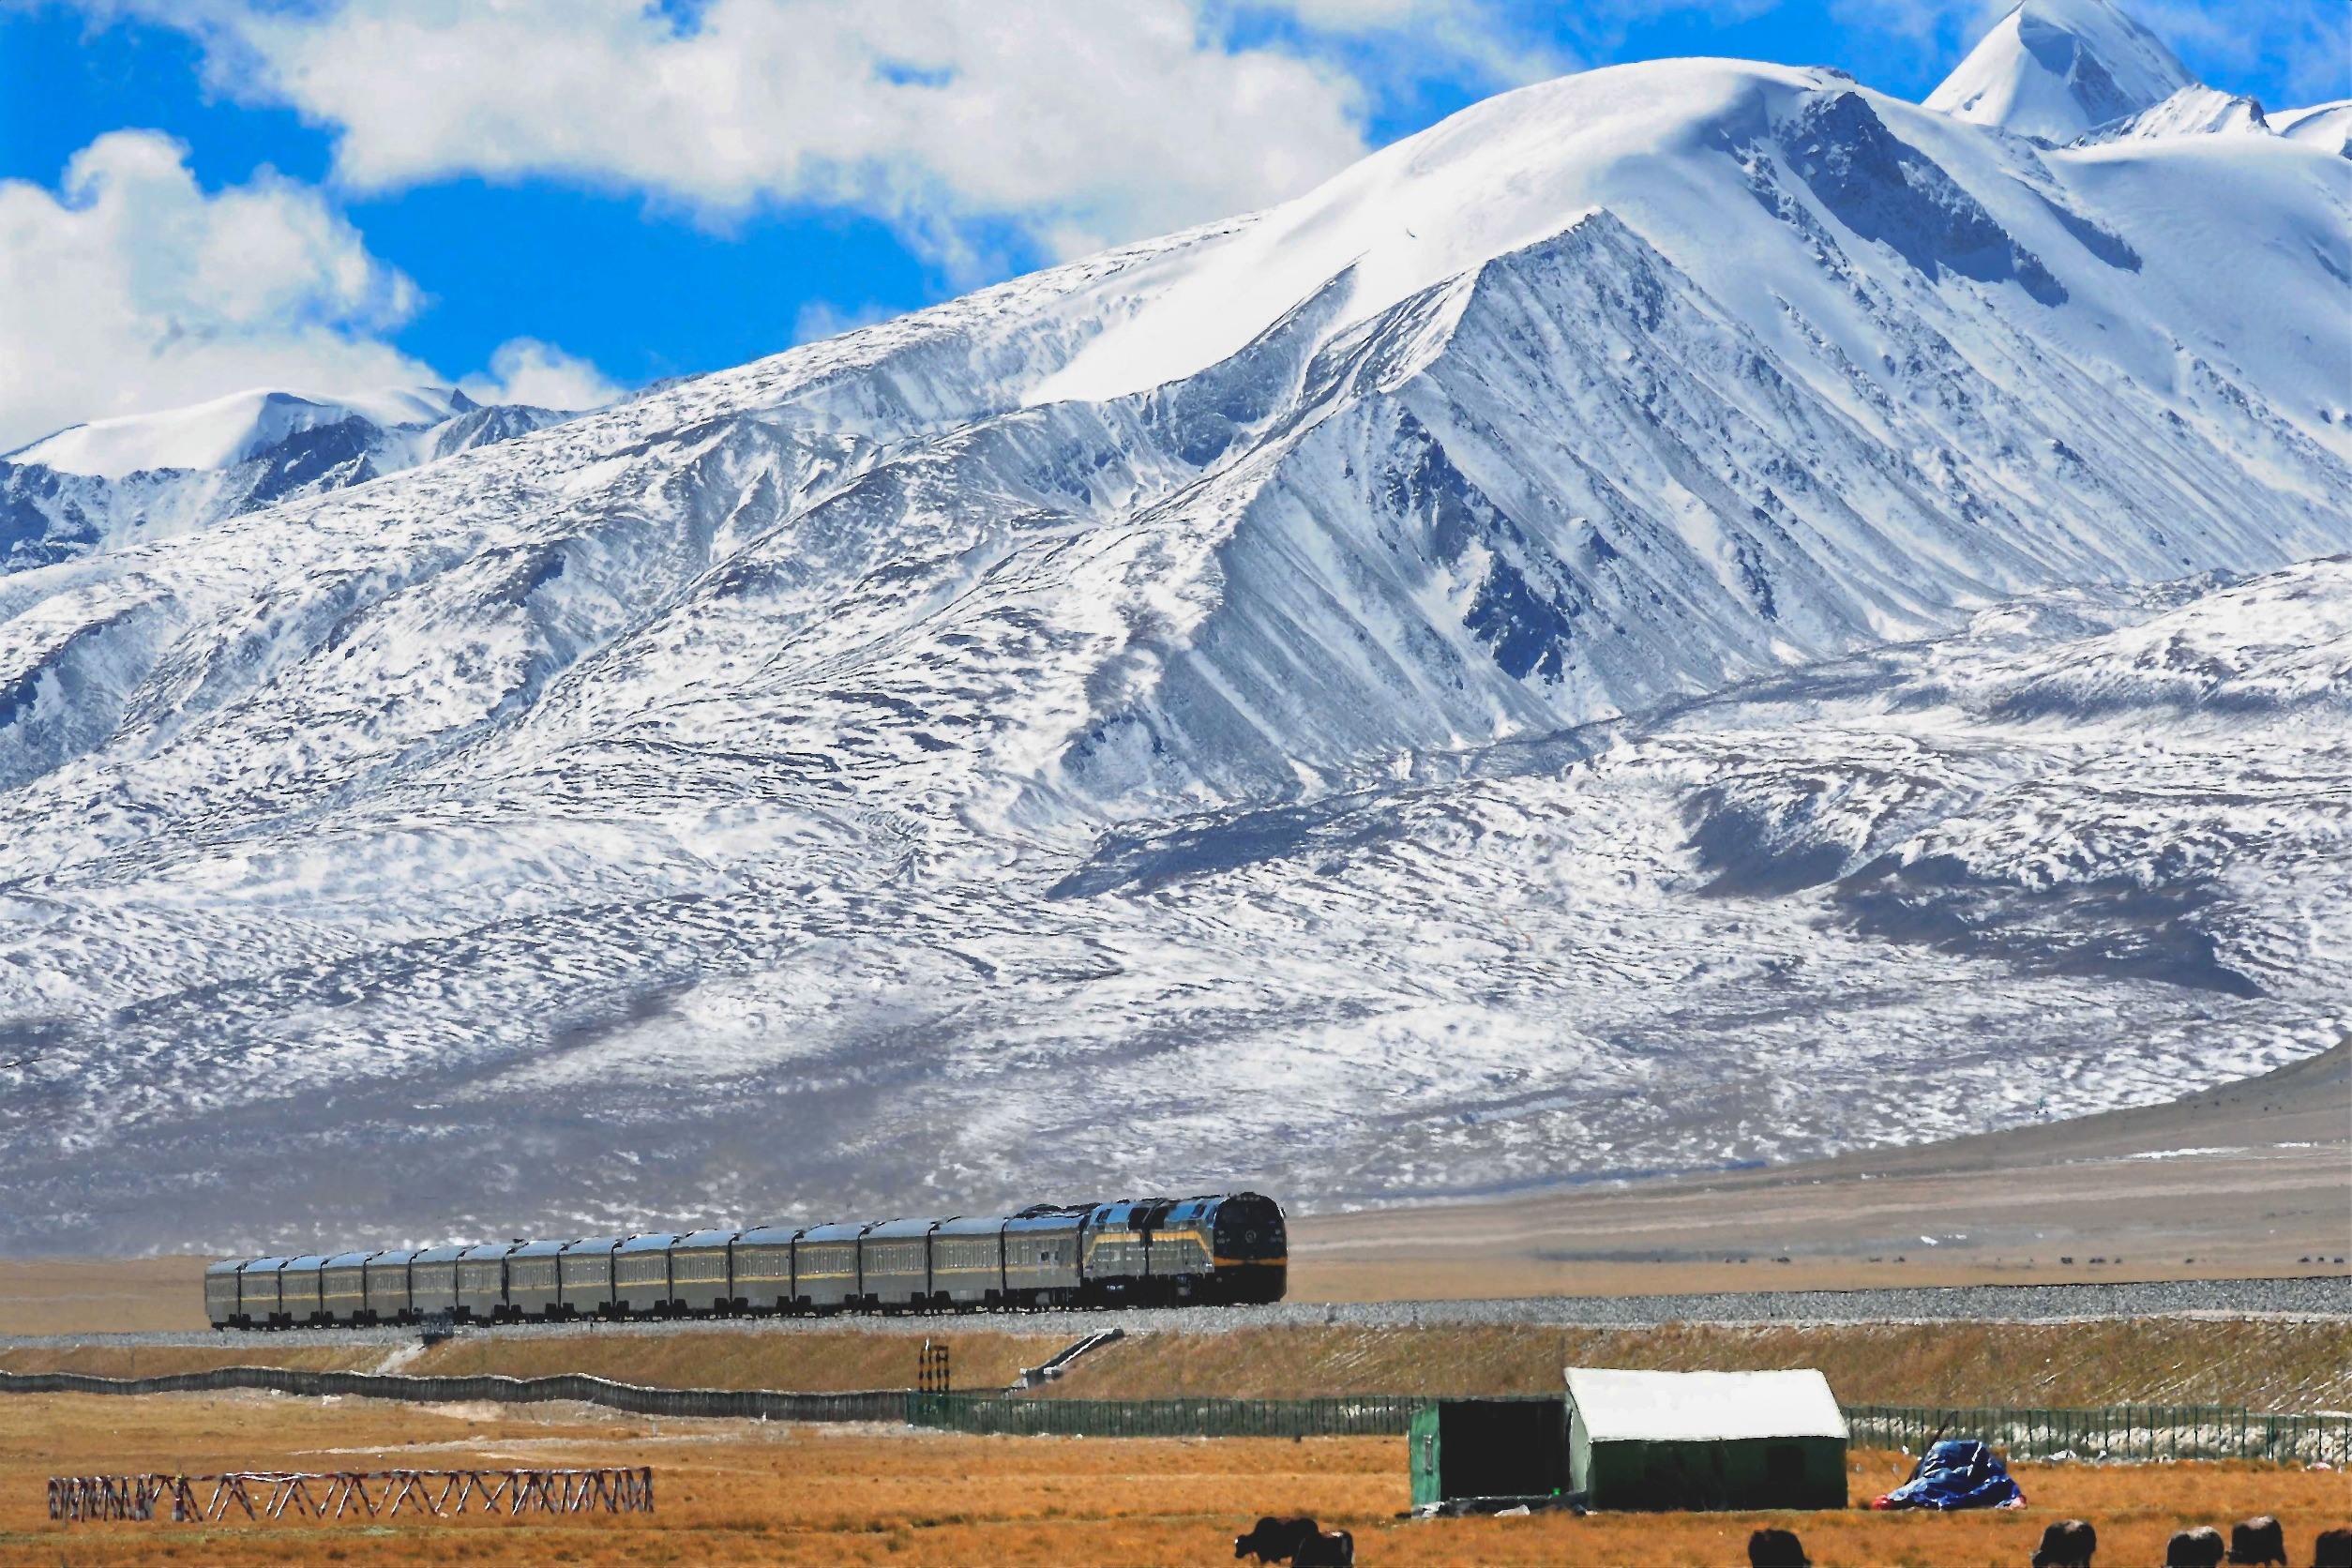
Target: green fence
[(2114, 1432), (1371, 1414), (2117, 1432)]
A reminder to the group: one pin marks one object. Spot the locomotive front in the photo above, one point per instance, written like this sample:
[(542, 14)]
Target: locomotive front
[(1252, 1248)]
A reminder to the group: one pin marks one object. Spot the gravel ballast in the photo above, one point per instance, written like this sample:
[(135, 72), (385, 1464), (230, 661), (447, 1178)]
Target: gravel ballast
[(2320, 1297)]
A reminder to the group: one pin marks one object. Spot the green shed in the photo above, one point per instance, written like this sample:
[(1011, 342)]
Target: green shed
[(1488, 1449), (1705, 1439)]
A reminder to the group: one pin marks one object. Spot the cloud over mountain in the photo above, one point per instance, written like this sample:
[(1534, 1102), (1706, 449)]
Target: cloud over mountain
[(130, 288), (1078, 123)]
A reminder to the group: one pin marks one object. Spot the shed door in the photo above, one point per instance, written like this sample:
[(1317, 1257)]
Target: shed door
[(1422, 1458), (1501, 1448)]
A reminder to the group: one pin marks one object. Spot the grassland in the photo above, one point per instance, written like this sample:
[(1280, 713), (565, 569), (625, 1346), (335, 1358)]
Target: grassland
[(2279, 1365), (733, 1492), (2266, 1364)]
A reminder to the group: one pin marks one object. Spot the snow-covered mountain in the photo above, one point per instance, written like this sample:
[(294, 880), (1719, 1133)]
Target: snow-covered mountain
[(1692, 613), (121, 481), (2325, 125), (2077, 72), (2057, 69)]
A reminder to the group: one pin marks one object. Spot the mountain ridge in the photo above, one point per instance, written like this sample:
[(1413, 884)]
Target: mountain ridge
[(1616, 685), (118, 482)]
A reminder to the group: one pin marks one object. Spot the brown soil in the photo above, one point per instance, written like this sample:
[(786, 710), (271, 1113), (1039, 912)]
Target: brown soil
[(2253, 1180), (101, 1295), (732, 1492)]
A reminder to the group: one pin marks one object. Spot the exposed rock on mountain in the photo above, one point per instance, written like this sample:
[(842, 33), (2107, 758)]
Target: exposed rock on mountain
[(124, 481), (1694, 612)]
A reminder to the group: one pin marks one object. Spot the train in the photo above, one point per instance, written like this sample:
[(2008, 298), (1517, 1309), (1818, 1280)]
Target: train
[(1222, 1248)]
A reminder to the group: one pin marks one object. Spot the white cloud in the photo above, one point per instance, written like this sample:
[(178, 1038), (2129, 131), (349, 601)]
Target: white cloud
[(822, 318), (1080, 123), (130, 290), (525, 371)]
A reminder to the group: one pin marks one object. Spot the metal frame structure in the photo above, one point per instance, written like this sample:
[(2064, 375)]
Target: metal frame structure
[(340, 1494)]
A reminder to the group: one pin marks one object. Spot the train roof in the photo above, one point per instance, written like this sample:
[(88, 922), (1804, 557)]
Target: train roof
[(539, 1249), (593, 1244), (707, 1238), (900, 1229), (839, 1230), (481, 1250), (445, 1253), (972, 1225), (653, 1241), (769, 1236), (229, 1265), (348, 1259), (396, 1255), (308, 1260)]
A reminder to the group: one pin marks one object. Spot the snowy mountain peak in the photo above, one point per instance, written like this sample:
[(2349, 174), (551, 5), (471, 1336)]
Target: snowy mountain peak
[(2057, 69), (228, 431), (2190, 111), (144, 477), (2324, 125)]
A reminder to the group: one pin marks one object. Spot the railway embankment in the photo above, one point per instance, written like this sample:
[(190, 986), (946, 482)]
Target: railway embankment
[(2267, 1361)]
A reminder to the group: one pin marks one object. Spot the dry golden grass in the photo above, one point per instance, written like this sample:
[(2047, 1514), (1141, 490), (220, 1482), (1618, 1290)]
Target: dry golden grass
[(813, 1361), (156, 1360), (2277, 1365), (732, 1492)]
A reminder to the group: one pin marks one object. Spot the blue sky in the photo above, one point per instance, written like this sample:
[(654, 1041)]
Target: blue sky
[(562, 198)]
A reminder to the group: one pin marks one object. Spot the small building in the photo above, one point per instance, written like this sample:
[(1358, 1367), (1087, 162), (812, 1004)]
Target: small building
[(1705, 1439), (1501, 1450)]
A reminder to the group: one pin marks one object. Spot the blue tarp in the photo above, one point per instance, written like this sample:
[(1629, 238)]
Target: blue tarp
[(1963, 1473)]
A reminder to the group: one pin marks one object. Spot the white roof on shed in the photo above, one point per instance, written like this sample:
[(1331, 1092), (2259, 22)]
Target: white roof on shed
[(1670, 1406)]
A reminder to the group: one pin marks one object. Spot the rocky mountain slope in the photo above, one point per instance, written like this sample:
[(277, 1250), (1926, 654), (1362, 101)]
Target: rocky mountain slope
[(1691, 614), (125, 481)]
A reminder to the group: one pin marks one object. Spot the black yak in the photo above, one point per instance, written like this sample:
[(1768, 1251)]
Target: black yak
[(1273, 1540), (1776, 1548), (2258, 1540), (2067, 1544), (1299, 1541), (2200, 1547)]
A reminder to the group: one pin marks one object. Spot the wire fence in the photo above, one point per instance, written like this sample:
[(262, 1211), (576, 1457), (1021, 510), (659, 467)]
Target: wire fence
[(2143, 1432), (1362, 1415), (752, 1404), (2114, 1432)]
